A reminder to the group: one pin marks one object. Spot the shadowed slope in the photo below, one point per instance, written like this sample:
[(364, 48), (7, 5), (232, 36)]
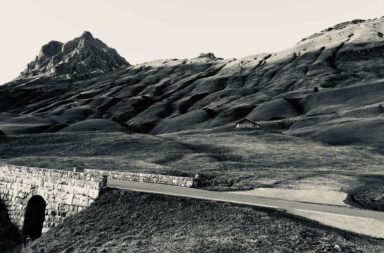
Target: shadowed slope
[(138, 222), (10, 236)]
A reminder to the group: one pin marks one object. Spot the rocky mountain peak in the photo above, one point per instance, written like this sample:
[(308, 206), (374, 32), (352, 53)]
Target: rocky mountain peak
[(84, 55), (51, 49), (209, 55), (87, 34)]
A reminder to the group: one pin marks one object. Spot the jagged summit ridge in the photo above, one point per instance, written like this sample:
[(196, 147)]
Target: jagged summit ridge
[(84, 55)]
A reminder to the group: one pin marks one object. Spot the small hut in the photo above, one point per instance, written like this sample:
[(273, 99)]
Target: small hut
[(246, 123)]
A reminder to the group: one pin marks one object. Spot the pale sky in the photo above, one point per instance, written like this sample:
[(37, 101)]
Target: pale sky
[(144, 30)]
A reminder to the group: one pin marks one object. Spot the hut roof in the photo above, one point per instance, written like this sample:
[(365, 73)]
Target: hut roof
[(247, 120)]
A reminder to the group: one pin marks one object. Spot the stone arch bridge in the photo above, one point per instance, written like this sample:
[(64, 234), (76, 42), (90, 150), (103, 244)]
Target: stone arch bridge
[(63, 193)]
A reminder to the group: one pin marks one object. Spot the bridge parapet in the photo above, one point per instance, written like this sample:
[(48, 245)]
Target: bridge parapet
[(144, 177)]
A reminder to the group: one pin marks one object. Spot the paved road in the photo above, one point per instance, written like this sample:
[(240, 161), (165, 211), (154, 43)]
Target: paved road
[(353, 219)]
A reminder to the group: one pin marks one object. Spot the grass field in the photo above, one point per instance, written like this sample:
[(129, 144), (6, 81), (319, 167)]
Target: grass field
[(226, 160), (135, 222)]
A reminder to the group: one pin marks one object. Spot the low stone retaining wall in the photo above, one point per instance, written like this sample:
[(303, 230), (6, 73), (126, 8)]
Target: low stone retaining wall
[(143, 177), (65, 192)]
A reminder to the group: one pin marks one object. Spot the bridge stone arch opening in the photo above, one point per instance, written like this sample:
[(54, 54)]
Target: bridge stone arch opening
[(65, 193), (34, 217)]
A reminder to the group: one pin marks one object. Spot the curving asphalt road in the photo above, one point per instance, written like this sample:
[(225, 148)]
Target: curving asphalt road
[(356, 220)]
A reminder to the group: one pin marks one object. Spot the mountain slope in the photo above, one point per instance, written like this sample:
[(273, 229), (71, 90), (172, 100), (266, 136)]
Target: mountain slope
[(344, 63)]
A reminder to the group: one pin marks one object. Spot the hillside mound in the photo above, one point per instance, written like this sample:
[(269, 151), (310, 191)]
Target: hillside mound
[(138, 222), (98, 125)]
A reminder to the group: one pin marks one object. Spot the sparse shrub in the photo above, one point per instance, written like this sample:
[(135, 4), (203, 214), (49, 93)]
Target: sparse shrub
[(203, 180), (210, 112), (381, 107)]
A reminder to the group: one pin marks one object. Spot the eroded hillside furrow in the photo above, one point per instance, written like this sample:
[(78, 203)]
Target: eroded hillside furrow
[(332, 60), (211, 71), (318, 55), (289, 86)]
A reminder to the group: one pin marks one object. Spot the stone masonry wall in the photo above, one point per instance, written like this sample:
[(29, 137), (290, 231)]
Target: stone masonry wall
[(65, 192), (142, 177)]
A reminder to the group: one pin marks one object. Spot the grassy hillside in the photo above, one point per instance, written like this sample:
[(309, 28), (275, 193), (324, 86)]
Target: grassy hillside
[(132, 222), (230, 160)]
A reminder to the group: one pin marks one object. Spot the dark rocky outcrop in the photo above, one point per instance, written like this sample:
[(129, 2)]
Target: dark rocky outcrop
[(84, 55), (210, 56)]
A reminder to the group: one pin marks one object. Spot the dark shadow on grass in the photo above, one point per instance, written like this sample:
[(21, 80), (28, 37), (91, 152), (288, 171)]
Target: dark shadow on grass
[(10, 236)]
